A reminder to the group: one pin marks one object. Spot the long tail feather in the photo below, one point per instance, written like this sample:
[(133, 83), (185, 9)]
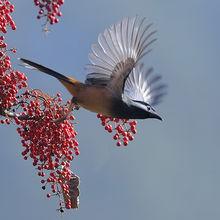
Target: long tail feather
[(70, 83), (46, 70)]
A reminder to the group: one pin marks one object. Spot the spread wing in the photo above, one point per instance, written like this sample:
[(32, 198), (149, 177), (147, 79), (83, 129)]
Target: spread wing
[(141, 85), (118, 50)]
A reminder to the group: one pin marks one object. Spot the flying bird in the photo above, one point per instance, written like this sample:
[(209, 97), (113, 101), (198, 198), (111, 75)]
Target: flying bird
[(117, 84)]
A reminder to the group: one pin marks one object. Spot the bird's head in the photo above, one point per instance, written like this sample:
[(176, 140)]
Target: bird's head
[(143, 110)]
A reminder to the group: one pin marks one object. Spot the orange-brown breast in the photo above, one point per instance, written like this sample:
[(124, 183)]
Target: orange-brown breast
[(96, 99)]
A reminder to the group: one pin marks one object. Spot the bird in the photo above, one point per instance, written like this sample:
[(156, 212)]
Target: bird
[(117, 84)]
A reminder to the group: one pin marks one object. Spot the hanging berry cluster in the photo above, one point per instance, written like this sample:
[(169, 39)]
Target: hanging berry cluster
[(11, 81), (49, 9), (5, 18), (49, 140), (44, 124), (123, 129)]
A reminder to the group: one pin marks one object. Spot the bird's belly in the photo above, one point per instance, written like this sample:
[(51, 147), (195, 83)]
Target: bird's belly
[(96, 99)]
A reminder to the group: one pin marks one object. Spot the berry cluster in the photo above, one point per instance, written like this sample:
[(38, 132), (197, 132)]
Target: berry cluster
[(44, 124), (49, 142), (11, 81), (124, 130), (49, 9), (5, 18)]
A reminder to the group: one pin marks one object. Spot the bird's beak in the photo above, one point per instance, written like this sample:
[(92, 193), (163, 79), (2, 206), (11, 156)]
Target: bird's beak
[(154, 115)]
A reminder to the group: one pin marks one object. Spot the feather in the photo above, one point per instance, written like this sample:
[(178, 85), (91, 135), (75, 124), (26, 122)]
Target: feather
[(142, 87), (90, 69), (119, 49)]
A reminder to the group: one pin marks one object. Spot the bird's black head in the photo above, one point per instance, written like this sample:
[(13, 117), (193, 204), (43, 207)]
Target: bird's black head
[(142, 110), (133, 109)]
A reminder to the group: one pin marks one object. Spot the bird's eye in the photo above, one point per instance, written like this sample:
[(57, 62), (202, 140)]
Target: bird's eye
[(148, 108)]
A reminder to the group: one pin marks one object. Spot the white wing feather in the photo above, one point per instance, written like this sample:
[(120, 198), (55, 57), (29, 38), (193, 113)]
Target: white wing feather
[(142, 86), (128, 39)]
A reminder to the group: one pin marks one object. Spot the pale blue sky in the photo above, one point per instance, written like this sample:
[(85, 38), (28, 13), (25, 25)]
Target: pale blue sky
[(171, 170)]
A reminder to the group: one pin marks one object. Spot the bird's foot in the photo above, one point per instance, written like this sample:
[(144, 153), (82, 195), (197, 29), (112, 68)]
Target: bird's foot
[(76, 105)]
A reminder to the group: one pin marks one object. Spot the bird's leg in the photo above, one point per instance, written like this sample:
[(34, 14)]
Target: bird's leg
[(74, 101)]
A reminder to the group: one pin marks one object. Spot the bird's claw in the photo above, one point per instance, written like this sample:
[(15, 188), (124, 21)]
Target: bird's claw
[(76, 105)]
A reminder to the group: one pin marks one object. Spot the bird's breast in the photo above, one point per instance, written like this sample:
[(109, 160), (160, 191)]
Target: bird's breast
[(96, 99)]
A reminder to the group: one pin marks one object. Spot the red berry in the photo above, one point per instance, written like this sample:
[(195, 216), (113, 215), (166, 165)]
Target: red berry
[(48, 195), (118, 143)]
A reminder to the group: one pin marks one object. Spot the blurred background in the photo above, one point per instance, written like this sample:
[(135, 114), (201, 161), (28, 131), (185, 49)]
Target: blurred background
[(171, 170)]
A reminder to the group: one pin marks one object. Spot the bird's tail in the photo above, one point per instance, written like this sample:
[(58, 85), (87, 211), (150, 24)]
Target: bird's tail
[(70, 83)]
